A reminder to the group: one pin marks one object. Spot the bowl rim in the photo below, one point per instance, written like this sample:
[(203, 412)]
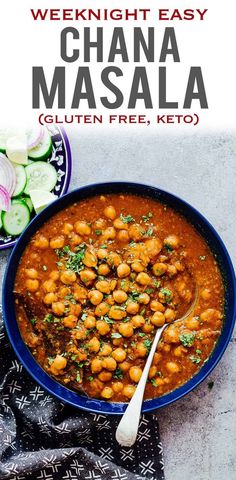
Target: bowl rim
[(22, 351)]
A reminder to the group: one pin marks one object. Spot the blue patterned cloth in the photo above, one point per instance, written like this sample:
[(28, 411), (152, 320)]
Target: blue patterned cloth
[(42, 438)]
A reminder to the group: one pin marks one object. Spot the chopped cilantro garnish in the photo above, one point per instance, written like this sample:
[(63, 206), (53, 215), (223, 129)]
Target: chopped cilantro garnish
[(48, 318), (50, 360), (98, 232), (132, 244), (148, 343), (141, 334), (90, 378), (167, 294), (198, 352), (78, 377), (116, 335), (149, 232), (153, 382), (32, 321), (168, 247), (187, 339), (127, 219), (118, 374), (149, 290), (195, 359), (107, 319), (147, 217)]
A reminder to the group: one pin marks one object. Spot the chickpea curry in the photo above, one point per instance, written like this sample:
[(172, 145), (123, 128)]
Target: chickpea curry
[(98, 279)]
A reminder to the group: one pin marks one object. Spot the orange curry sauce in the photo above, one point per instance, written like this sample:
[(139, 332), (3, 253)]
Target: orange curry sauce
[(98, 279)]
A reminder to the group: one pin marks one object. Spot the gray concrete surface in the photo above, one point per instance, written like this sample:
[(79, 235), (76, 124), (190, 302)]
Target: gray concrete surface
[(198, 432)]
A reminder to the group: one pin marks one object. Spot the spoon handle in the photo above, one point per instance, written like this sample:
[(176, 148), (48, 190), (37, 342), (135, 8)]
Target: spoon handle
[(127, 429)]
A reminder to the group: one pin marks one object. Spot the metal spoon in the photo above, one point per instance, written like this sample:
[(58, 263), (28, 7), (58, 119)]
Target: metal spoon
[(127, 429)]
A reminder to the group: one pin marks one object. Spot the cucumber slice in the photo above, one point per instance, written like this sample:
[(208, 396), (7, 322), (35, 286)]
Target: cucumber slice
[(28, 202), (15, 221), (0, 219), (44, 149), (40, 175), (20, 180), (16, 149)]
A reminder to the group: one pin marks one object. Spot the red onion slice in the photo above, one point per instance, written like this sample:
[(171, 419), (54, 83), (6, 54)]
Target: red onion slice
[(34, 136), (5, 199), (7, 174)]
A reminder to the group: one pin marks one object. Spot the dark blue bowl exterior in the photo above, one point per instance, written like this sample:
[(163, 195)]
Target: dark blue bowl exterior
[(203, 227)]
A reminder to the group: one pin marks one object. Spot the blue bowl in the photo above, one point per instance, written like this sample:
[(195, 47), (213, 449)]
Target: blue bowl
[(203, 227)]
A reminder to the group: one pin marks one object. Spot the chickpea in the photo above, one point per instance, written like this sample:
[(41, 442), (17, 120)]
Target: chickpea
[(96, 365), (119, 354), (105, 376), (171, 270), (156, 358), (32, 285), (124, 366), (59, 363), (138, 321), (153, 247), (136, 232), (123, 270), (117, 341), (41, 242), (103, 269), (143, 278), (120, 225), (117, 387), (109, 233), (64, 291), (158, 319), (192, 323), (58, 308), (126, 329), (102, 253), (90, 322), (57, 242), (54, 275), (148, 328), (101, 309), (95, 297), (141, 350), (152, 372), (103, 286), (110, 300), (113, 284), (171, 334), (90, 259), (178, 351), (128, 391), (106, 350), (113, 259), (49, 298), (123, 236), (172, 367), (94, 345), (166, 347), (70, 322), (75, 309), (159, 269), (107, 393), (144, 298), (87, 275), (49, 286), (157, 306), (171, 241), (132, 308), (135, 374), (82, 228), (109, 363), (96, 387), (205, 294), (116, 313), (169, 315), (67, 228), (110, 212), (137, 266), (68, 277), (100, 224), (75, 239), (31, 273), (120, 296), (102, 327), (80, 294), (209, 315)]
